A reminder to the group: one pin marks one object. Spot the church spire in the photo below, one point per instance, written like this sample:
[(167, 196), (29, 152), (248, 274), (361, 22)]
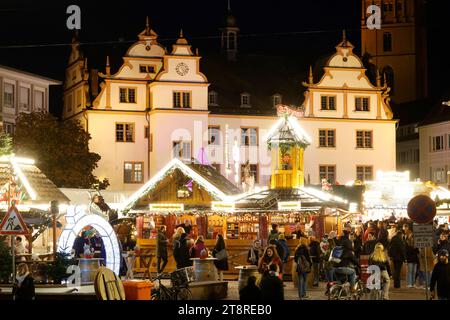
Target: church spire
[(229, 35)]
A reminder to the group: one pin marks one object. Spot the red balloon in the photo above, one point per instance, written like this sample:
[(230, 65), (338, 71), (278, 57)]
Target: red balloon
[(421, 209)]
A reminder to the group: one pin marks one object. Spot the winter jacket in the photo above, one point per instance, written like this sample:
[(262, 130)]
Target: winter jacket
[(397, 250), (315, 252), (181, 252), (197, 249), (161, 245), (251, 292), (302, 251), (271, 287), (369, 247), (221, 265), (441, 278), (358, 246), (366, 233), (384, 266), (348, 258), (412, 254), (26, 290), (441, 245), (273, 235)]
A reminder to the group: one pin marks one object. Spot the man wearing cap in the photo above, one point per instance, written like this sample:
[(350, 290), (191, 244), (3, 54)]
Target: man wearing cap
[(441, 277)]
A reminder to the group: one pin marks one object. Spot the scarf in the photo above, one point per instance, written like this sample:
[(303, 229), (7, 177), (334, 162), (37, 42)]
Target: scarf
[(21, 278)]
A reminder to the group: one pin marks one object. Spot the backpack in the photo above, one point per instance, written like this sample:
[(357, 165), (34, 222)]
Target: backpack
[(303, 265), (336, 254)]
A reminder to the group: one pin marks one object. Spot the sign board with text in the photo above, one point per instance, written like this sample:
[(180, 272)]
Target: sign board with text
[(423, 235)]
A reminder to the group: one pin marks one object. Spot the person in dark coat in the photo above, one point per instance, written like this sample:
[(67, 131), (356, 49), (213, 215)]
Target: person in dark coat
[(161, 249), (316, 256), (441, 277), (251, 291), (349, 264), (302, 250), (181, 252), (412, 259), (221, 265), (78, 244), (23, 289), (357, 244), (397, 252), (442, 243), (383, 235), (369, 246), (271, 285), (254, 253)]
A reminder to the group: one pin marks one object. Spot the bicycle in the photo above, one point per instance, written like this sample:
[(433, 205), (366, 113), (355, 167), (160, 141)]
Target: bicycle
[(343, 290), (178, 291)]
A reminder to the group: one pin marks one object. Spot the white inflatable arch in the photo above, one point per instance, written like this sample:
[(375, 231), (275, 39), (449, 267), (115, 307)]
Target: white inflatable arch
[(77, 218)]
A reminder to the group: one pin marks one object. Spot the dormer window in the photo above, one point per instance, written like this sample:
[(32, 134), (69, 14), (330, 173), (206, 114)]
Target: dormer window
[(245, 100), (212, 98), (276, 100), (147, 68)]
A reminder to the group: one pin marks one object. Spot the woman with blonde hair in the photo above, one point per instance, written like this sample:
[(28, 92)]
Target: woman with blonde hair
[(378, 258), (178, 232)]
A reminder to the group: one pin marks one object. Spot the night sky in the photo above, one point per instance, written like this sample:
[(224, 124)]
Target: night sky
[(34, 37)]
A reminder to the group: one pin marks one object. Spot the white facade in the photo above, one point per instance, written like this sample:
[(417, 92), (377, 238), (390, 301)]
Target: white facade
[(172, 101), (435, 153), (22, 92)]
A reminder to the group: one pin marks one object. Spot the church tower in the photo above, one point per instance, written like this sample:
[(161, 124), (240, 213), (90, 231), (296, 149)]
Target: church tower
[(229, 36), (399, 48)]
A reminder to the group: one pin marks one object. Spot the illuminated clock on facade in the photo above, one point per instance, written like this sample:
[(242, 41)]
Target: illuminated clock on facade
[(182, 69)]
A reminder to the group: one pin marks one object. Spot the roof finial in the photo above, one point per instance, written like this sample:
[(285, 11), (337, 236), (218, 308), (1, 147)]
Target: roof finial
[(378, 78), (344, 36), (310, 77), (147, 25), (108, 68), (85, 63), (196, 52), (181, 33), (384, 79)]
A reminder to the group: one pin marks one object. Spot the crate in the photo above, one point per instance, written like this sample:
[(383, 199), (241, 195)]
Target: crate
[(137, 290), (181, 277)]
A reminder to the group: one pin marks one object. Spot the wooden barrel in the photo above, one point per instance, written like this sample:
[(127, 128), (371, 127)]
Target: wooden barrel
[(205, 270), (88, 269), (244, 273)]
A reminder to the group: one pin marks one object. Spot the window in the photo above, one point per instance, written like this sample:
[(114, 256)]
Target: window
[(212, 98), (253, 172), (8, 95), (328, 172), (127, 95), (249, 136), (276, 100), (362, 104), (214, 136), (387, 42), (124, 132), (328, 102), (133, 172), (182, 150), (245, 100), (24, 98), (364, 173), (327, 138), (437, 143), (439, 175), (8, 127), (182, 99), (399, 6), (146, 68), (363, 139), (38, 100)]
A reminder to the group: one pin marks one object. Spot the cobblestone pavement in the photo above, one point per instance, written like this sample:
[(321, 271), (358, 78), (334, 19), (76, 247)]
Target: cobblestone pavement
[(291, 293)]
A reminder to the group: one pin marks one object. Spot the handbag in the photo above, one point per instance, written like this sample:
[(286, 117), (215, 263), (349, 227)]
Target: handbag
[(222, 255)]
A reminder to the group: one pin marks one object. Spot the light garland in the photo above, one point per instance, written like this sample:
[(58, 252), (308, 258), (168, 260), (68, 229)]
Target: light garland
[(236, 157), (77, 218), (227, 152)]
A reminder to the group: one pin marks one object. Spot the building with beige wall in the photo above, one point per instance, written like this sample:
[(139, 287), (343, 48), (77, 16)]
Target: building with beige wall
[(160, 105)]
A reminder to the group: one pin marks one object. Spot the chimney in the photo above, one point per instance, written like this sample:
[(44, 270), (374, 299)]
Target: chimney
[(94, 82)]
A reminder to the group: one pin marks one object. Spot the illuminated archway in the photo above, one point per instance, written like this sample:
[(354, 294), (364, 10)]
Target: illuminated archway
[(77, 218)]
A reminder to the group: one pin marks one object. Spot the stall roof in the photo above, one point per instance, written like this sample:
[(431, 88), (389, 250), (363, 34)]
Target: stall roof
[(204, 175), (308, 197), (38, 188)]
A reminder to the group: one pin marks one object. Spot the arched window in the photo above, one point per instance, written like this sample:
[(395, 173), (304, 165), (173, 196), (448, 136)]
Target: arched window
[(389, 72)]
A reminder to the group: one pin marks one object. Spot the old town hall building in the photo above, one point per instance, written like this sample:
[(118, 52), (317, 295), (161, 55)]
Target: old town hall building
[(161, 103)]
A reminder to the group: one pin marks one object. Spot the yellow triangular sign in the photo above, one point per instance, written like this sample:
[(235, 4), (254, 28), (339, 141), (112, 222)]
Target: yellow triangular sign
[(13, 223)]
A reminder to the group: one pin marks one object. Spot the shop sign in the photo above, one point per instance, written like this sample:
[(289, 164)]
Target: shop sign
[(223, 206), (289, 205), (423, 235), (164, 207), (283, 109)]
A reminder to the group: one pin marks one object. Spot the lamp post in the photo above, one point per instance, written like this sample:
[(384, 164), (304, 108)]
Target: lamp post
[(54, 207)]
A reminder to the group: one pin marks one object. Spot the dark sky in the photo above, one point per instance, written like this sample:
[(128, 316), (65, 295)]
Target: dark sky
[(309, 28)]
